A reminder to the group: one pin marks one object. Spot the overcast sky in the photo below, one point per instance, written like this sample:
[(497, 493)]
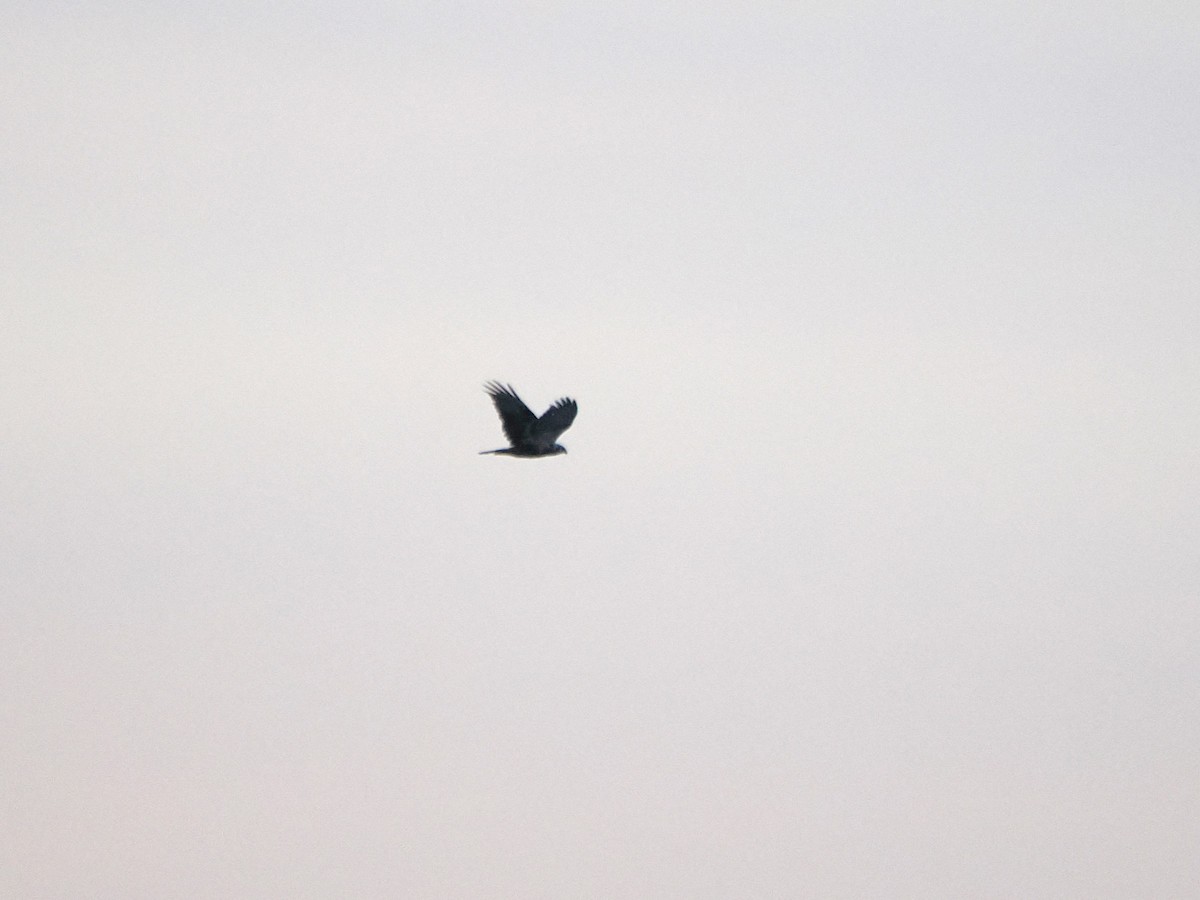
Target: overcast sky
[(872, 570)]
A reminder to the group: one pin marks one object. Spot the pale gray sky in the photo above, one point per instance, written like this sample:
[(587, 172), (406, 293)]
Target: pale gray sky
[(872, 571)]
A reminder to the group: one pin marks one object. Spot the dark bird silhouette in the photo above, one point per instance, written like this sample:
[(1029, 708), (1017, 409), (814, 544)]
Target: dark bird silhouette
[(530, 435)]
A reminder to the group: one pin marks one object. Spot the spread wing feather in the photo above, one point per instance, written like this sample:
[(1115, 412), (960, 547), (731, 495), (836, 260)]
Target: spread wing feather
[(555, 421), (515, 417)]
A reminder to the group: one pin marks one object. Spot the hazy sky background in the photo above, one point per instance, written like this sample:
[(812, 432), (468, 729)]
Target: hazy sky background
[(873, 568)]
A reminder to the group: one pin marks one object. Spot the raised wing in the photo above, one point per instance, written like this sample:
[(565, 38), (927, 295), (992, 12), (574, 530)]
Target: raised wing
[(555, 420), (515, 417)]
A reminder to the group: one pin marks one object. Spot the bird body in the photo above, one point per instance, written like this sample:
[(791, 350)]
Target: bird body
[(530, 435)]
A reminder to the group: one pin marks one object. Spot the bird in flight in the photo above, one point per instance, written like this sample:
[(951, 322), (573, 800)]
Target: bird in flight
[(530, 435)]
